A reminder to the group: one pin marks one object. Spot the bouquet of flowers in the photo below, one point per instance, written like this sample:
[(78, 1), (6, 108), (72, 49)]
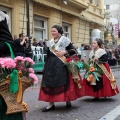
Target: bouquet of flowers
[(93, 74), (8, 66), (16, 75), (75, 65), (74, 62)]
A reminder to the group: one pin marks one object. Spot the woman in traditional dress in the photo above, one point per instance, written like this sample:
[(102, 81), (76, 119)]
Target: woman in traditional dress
[(57, 83), (99, 80), (5, 36)]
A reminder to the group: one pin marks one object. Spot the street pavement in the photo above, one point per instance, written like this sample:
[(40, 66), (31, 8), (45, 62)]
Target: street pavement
[(84, 108)]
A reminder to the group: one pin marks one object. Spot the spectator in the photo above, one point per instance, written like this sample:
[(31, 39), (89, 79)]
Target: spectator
[(111, 57), (117, 53), (15, 37), (35, 42), (41, 43), (114, 61), (86, 47), (21, 43), (89, 48), (82, 47), (45, 46), (75, 47)]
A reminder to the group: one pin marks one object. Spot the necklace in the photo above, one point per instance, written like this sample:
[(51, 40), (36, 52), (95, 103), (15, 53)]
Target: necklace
[(56, 40)]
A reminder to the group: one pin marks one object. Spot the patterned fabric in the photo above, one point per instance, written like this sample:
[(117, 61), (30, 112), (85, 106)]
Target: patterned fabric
[(60, 45), (98, 53)]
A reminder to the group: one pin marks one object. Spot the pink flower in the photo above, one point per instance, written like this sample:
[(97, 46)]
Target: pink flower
[(34, 77), (1, 60), (19, 58), (31, 70), (8, 63), (19, 62), (18, 67), (27, 59)]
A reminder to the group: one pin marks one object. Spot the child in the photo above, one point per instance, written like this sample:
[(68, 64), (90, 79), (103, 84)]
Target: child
[(99, 80)]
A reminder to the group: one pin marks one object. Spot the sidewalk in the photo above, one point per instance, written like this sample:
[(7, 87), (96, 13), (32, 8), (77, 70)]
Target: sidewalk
[(82, 109), (112, 115), (118, 118), (114, 67)]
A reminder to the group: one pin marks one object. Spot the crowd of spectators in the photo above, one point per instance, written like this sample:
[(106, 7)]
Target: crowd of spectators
[(21, 45), (113, 54)]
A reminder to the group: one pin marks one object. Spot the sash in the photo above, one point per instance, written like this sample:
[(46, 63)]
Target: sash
[(63, 58), (75, 74), (110, 76)]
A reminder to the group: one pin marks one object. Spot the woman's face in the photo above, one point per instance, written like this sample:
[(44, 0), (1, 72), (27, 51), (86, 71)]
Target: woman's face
[(55, 33), (95, 44)]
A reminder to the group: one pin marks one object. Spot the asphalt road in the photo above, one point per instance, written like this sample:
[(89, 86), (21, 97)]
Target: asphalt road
[(82, 109)]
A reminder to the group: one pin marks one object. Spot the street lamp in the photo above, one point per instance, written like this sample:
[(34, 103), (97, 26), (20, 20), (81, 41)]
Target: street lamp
[(28, 52), (28, 19)]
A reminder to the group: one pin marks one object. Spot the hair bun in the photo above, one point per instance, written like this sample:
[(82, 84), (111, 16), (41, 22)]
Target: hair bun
[(59, 28)]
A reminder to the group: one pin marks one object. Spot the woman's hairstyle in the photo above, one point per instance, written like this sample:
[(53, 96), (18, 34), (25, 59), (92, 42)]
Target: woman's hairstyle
[(59, 28), (99, 42)]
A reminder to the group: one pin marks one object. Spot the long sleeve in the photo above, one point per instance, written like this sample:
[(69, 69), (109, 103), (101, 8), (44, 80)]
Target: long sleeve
[(71, 50), (103, 58)]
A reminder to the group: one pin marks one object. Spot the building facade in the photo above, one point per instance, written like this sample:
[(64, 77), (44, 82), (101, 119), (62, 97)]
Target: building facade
[(113, 6), (112, 18), (78, 17)]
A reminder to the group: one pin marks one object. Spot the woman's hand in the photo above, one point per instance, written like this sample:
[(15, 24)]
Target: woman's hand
[(61, 53), (96, 59)]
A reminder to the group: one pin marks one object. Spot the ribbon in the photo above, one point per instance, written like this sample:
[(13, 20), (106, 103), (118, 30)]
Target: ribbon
[(78, 83), (79, 65), (94, 73), (14, 81), (19, 93)]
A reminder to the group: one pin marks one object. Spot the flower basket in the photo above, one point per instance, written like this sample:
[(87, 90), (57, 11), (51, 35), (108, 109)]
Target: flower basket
[(10, 98), (16, 75)]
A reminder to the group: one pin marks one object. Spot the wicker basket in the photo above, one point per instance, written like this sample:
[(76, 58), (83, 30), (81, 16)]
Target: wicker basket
[(10, 98)]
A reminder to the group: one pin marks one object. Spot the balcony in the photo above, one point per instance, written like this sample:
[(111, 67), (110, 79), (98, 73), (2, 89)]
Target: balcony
[(80, 4), (72, 7)]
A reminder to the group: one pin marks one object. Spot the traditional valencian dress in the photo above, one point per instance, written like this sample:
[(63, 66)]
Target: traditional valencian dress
[(57, 83), (5, 36), (99, 80)]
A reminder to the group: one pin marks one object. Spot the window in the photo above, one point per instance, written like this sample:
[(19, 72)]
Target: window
[(96, 2), (40, 28), (67, 30), (8, 12), (107, 7)]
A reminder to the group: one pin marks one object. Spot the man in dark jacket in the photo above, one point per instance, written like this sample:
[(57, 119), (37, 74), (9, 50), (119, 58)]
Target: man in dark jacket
[(21, 43)]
